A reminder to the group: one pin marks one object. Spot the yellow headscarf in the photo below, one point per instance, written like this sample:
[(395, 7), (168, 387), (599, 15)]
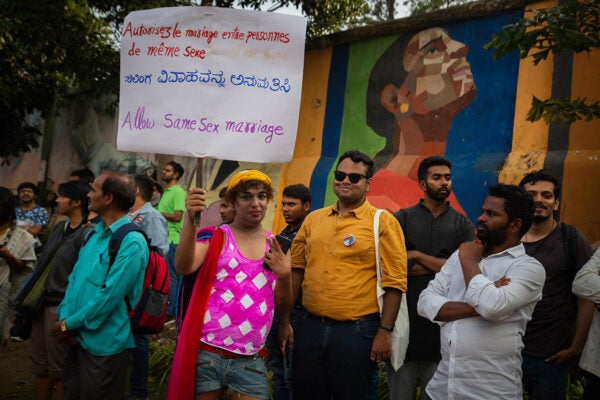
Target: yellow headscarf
[(248, 175)]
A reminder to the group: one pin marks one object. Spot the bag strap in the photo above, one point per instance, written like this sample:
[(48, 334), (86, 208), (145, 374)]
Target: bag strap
[(114, 245), (569, 245), (376, 237)]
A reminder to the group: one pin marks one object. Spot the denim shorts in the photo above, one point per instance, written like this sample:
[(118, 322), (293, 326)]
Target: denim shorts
[(246, 375)]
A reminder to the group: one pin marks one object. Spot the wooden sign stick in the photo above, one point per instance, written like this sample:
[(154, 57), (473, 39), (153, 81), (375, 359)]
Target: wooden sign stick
[(199, 184)]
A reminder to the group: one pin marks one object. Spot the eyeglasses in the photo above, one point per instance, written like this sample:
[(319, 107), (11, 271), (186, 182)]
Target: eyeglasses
[(353, 177)]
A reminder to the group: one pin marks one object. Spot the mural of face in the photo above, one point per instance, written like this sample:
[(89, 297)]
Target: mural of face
[(438, 71)]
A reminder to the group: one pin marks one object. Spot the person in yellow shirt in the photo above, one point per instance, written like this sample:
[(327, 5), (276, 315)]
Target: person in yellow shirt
[(337, 346)]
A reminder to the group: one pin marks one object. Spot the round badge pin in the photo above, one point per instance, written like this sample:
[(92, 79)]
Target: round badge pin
[(349, 240)]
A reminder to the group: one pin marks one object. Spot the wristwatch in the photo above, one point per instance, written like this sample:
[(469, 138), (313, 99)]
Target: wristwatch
[(389, 328), (63, 326)]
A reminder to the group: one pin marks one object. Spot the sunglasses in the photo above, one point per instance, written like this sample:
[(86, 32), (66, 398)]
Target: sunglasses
[(353, 178)]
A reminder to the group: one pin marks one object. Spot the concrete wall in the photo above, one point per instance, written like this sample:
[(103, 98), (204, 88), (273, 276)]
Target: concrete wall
[(427, 88)]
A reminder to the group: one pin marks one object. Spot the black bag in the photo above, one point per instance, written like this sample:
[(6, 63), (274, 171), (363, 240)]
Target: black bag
[(30, 298), (21, 327)]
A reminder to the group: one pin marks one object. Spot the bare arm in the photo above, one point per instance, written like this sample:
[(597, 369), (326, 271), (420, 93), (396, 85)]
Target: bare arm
[(13, 262), (189, 254), (174, 217), (35, 230), (280, 264), (585, 314), (430, 263), (286, 333), (418, 270), (381, 349)]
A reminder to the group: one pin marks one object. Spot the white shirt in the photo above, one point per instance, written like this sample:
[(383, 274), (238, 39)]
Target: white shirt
[(587, 285), (481, 356)]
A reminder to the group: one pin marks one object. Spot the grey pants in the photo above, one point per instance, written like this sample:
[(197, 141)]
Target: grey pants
[(90, 377), (402, 382)]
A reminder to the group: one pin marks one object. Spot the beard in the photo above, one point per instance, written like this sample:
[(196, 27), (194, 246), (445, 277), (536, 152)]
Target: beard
[(538, 219), (436, 194), (492, 237)]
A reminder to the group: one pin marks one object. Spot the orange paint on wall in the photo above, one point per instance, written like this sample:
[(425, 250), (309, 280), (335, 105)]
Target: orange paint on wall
[(310, 126), (530, 140), (582, 165)]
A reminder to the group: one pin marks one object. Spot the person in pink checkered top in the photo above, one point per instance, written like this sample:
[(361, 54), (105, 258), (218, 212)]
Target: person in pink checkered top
[(231, 310)]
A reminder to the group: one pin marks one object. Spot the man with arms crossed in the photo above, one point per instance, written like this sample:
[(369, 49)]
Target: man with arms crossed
[(482, 299), (31, 216), (433, 230), (338, 344), (556, 334)]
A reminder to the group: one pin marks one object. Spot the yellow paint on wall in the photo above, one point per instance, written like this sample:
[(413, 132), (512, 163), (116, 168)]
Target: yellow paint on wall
[(530, 140), (582, 164), (310, 126)]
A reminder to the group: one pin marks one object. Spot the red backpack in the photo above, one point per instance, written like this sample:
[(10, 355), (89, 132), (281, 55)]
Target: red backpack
[(150, 312)]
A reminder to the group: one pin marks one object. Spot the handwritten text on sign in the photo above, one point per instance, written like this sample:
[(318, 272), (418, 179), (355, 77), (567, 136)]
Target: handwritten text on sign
[(211, 82)]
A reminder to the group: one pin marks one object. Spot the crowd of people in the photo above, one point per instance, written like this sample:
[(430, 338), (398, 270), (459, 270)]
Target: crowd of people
[(508, 306)]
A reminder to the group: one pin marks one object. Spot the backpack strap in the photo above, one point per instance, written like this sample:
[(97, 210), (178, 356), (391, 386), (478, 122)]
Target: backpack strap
[(117, 238), (569, 244), (114, 244)]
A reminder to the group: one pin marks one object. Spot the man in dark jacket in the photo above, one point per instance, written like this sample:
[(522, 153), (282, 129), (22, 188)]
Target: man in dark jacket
[(59, 255)]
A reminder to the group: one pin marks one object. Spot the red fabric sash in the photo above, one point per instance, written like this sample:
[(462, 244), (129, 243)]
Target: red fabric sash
[(183, 371)]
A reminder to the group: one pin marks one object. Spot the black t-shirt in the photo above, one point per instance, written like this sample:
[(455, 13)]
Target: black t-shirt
[(552, 324), (437, 237)]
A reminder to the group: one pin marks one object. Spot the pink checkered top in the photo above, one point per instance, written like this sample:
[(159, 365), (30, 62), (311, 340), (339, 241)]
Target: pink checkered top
[(242, 302)]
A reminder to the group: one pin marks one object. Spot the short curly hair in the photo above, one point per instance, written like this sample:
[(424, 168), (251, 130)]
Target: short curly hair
[(518, 203)]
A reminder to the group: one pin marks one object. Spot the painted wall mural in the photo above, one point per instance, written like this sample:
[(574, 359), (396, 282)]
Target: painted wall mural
[(403, 98), (398, 98)]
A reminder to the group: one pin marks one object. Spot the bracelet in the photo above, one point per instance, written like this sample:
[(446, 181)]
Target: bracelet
[(63, 326), (389, 328)]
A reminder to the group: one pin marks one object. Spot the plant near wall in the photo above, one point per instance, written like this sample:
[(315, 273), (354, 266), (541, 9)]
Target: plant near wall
[(570, 27)]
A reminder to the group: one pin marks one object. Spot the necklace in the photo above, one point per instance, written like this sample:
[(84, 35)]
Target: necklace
[(554, 223)]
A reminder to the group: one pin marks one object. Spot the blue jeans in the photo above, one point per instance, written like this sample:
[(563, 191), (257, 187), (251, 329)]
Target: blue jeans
[(245, 375), (332, 360), (138, 381), (174, 281), (282, 368), (543, 380)]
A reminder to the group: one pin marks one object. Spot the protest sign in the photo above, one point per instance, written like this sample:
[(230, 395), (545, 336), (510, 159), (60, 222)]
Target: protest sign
[(211, 82)]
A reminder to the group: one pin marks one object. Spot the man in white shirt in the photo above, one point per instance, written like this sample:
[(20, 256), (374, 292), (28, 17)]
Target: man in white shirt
[(587, 286), (482, 299)]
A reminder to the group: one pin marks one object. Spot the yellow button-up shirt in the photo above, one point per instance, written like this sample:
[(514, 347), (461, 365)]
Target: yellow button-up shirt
[(337, 254)]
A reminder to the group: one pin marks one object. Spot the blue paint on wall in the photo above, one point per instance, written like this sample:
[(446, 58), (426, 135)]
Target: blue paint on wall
[(332, 125), (480, 137)]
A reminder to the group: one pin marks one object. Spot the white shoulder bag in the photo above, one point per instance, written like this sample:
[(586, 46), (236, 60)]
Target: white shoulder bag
[(401, 327)]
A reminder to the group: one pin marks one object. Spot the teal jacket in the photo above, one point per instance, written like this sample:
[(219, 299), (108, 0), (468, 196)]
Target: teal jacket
[(94, 303)]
